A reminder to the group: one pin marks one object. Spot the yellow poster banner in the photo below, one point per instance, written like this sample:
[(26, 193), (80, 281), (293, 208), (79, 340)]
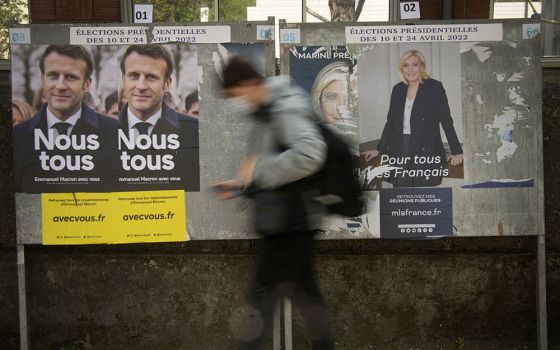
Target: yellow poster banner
[(114, 217)]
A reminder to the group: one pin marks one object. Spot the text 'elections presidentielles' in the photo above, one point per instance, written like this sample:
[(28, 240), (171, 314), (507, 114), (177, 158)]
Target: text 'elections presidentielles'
[(159, 34), (424, 33)]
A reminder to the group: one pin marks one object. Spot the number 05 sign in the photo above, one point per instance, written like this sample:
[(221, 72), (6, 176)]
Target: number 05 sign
[(143, 13), (410, 9)]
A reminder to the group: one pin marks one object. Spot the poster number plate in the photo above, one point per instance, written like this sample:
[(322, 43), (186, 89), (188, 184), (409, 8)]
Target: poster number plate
[(290, 36), (265, 32), (410, 10), (20, 36), (143, 13)]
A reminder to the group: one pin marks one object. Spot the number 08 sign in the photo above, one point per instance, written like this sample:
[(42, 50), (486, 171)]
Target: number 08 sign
[(143, 13), (20, 36)]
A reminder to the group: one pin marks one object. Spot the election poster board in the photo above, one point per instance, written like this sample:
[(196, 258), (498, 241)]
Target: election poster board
[(111, 126), (445, 119), (481, 99)]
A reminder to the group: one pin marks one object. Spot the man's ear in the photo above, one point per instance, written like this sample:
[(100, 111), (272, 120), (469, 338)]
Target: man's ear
[(87, 85), (167, 84)]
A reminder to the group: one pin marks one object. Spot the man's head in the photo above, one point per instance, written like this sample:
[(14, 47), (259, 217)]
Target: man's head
[(241, 80), (112, 105), (191, 104), (66, 76), (146, 74)]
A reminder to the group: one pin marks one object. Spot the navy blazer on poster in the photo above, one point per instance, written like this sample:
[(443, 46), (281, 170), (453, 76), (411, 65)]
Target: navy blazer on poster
[(27, 164), (186, 158), (429, 111)]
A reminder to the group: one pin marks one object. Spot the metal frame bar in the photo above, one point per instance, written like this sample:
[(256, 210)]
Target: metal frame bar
[(287, 324), (126, 11), (542, 334), (447, 9), (394, 13), (22, 298), (276, 327), (4, 64), (551, 62), (216, 10)]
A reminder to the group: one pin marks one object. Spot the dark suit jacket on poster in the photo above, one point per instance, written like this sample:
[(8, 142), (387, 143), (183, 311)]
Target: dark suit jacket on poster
[(430, 109), (30, 176), (185, 158)]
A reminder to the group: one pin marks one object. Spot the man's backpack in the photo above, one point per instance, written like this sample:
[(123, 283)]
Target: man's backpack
[(341, 192), (335, 186)]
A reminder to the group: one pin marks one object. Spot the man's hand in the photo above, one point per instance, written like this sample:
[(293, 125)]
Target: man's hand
[(455, 159), (228, 189), (232, 188)]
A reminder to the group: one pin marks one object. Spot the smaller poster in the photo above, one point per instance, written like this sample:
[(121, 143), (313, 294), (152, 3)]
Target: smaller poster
[(329, 75), (117, 217), (416, 213)]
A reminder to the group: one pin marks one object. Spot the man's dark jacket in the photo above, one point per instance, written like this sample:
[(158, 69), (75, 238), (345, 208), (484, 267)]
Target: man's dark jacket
[(185, 158), (27, 165)]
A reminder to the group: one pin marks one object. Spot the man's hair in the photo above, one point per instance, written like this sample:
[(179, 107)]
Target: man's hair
[(111, 99), (77, 52), (238, 70), (154, 51), (191, 99)]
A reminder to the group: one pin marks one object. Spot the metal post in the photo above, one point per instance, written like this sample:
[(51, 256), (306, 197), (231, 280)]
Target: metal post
[(394, 11), (126, 11), (303, 11), (216, 10), (447, 11), (287, 324), (28, 10), (22, 296), (541, 293), (551, 34), (276, 327)]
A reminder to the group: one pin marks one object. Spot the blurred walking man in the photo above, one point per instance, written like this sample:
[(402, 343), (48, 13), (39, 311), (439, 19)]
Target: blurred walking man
[(291, 149)]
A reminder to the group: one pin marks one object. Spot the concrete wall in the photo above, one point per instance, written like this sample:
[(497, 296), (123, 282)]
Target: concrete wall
[(479, 291)]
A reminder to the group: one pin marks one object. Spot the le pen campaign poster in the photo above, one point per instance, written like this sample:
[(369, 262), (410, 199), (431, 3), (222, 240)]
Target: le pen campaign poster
[(445, 121)]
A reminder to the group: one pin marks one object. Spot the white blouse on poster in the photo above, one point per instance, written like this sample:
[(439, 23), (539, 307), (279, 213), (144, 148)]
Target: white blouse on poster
[(407, 110)]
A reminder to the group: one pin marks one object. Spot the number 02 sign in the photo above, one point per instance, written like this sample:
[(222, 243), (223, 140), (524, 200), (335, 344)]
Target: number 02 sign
[(143, 13), (410, 9)]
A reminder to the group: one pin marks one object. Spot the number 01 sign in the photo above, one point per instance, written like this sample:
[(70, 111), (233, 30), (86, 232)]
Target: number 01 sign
[(143, 13), (410, 10)]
